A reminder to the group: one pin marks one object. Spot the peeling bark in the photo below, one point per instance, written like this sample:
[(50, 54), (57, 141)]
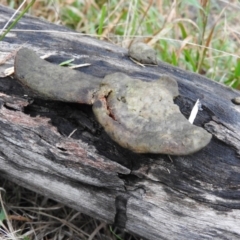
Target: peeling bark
[(59, 150), (225, 133)]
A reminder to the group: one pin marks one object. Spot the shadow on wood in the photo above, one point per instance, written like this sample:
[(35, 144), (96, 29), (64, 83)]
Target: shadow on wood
[(59, 150)]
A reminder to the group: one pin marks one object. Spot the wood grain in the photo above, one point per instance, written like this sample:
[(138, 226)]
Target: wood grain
[(155, 196)]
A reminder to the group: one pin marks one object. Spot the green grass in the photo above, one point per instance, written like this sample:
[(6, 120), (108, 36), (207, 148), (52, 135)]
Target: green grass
[(199, 36), (15, 21)]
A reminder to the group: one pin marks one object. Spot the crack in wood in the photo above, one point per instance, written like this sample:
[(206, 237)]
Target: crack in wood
[(224, 133), (121, 206), (212, 175)]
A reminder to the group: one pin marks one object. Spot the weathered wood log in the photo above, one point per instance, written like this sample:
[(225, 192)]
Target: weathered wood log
[(155, 196)]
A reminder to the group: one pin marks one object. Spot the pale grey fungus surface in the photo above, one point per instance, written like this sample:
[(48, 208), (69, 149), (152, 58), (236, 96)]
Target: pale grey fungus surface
[(236, 100), (140, 116), (142, 53)]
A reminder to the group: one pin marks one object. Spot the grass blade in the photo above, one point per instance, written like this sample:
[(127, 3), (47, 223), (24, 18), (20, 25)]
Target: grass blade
[(101, 22), (16, 20)]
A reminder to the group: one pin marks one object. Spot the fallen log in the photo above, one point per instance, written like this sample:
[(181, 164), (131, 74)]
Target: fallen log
[(58, 149)]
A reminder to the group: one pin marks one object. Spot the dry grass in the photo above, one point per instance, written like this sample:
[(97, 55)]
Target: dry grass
[(200, 36), (27, 215)]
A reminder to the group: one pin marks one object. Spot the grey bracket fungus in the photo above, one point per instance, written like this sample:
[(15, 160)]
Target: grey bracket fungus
[(138, 115), (142, 53), (236, 100), (51, 81), (141, 116)]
